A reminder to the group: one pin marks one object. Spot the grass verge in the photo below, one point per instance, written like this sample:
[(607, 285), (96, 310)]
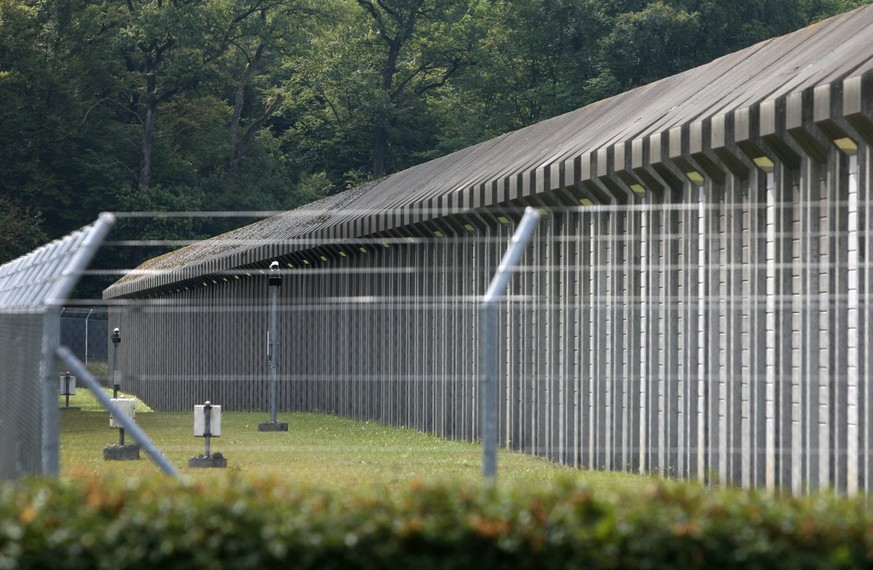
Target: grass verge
[(319, 450)]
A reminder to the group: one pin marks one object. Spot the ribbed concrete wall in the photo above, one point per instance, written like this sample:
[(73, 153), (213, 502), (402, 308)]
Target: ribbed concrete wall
[(697, 301), (711, 329)]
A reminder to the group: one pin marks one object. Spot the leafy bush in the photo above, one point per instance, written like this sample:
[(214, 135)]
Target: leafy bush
[(266, 524)]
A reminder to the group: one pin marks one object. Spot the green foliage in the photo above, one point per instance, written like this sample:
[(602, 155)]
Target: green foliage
[(658, 41), (361, 96), (90, 523), (265, 105), (19, 230), (532, 61)]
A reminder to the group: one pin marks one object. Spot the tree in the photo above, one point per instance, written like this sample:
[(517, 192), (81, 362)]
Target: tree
[(363, 89), (425, 42), (54, 65), (165, 49), (257, 34), (726, 27), (658, 41), (20, 230), (264, 104), (530, 64)]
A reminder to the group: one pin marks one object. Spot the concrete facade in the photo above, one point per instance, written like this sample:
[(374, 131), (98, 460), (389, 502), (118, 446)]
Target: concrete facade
[(696, 302)]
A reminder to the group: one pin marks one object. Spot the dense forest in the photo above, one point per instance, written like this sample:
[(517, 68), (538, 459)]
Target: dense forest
[(254, 105)]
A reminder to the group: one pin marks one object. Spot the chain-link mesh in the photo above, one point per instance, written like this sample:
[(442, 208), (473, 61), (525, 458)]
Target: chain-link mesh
[(84, 331), (32, 289), (20, 412)]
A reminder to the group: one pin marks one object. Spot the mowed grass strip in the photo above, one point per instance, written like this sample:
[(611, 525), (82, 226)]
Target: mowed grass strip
[(318, 450)]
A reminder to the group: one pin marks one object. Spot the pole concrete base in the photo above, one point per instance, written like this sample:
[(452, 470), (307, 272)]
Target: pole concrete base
[(273, 426), (117, 452), (204, 462)]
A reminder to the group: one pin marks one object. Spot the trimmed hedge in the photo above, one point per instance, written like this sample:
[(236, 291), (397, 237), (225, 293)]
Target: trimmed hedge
[(263, 524)]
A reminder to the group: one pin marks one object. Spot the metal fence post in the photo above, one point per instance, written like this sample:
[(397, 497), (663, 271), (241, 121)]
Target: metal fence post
[(50, 414), (490, 341)]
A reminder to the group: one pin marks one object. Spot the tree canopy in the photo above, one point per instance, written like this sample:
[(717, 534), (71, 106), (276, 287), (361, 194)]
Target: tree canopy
[(164, 105)]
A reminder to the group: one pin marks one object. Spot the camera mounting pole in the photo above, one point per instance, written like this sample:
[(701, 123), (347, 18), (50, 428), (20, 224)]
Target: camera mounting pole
[(274, 282)]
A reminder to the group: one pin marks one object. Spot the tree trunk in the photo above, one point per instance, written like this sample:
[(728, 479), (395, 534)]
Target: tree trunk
[(240, 99), (405, 28), (148, 143), (380, 146), (239, 150), (380, 133)]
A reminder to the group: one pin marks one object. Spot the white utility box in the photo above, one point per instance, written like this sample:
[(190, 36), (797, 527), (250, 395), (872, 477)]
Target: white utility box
[(64, 388), (127, 408), (200, 420)]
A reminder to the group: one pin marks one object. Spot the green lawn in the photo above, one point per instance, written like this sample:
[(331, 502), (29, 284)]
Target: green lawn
[(318, 450)]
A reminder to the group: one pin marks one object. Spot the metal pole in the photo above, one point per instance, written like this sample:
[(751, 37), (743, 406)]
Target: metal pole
[(207, 427), (88, 316), (51, 339), (50, 414), (67, 390), (490, 353), (116, 375), (274, 295), (79, 370), (275, 281), (490, 343)]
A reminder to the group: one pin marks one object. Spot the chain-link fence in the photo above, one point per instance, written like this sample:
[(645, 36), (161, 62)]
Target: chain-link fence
[(84, 330), (32, 290), (21, 355)]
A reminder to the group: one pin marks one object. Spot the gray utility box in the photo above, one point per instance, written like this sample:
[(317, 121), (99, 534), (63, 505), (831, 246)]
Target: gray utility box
[(122, 451), (200, 421), (128, 408), (67, 388), (207, 424), (67, 385)]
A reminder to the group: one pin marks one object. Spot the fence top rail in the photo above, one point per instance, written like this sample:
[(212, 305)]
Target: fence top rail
[(44, 278)]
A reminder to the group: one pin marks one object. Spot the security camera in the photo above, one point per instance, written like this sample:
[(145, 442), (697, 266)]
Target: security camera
[(275, 279)]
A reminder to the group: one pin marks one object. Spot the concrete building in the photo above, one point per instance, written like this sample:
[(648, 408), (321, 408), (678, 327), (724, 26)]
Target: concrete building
[(696, 302)]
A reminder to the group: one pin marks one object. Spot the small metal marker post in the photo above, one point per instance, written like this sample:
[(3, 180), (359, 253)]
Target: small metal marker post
[(67, 388), (274, 282), (123, 407), (207, 433), (207, 424), (94, 386), (116, 376), (127, 406)]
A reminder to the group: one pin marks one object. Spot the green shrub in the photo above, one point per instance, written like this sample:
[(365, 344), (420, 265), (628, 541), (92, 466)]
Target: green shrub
[(123, 524)]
